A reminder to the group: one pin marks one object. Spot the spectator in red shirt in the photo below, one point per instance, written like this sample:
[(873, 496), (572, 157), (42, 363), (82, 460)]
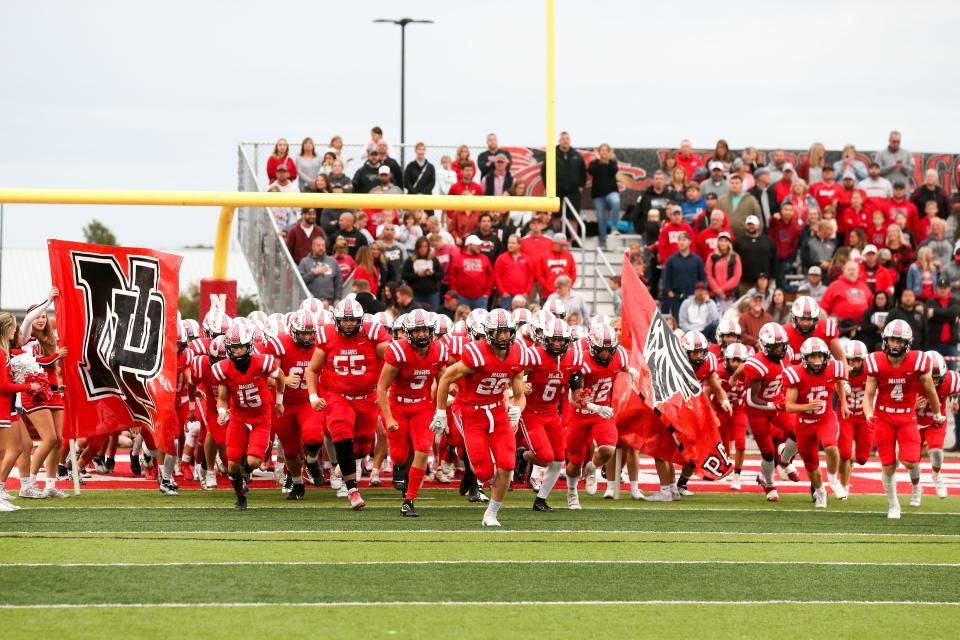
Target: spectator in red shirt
[(463, 157), (471, 276), (858, 215), (724, 270), (688, 160), (930, 213), (877, 276), (513, 273), (667, 243), (706, 240), (876, 233), (536, 243), (299, 237), (280, 156), (900, 203), (847, 297), (461, 224), (827, 191), (366, 269), (782, 188), (558, 262), (785, 231), (901, 253), (445, 254)]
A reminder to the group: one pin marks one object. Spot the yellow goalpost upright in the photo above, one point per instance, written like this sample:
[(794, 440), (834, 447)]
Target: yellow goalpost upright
[(228, 201)]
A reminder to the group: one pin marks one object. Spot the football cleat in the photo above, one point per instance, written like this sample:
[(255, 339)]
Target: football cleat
[(287, 484), (110, 463), (297, 491), (674, 492), (636, 494), (573, 501), (7, 507), (610, 493), (99, 464), (399, 482), (168, 488), (490, 519), (375, 477), (210, 482), (407, 510), (520, 465), (356, 501), (64, 474), (31, 491), (336, 482), (241, 503), (788, 472), (684, 492), (820, 497), (663, 495), (53, 492), (939, 485), (6, 496), (540, 504), (735, 482), (773, 496), (475, 495), (838, 491), (893, 511), (916, 496), (590, 479), (343, 492)]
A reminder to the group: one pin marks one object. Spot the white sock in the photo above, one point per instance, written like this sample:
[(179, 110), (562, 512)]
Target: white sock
[(890, 486), (936, 458), (766, 468), (137, 445), (572, 483), (186, 458), (789, 450), (51, 483), (831, 477), (494, 506), (915, 474), (211, 473), (936, 475), (168, 465), (588, 469), (550, 476), (30, 481), (634, 486), (664, 488)]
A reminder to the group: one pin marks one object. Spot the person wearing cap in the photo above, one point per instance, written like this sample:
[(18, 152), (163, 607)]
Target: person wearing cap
[(826, 191), (901, 203), (847, 296), (757, 252), (739, 205), (367, 176), (513, 273), (775, 166), (498, 181), (471, 275), (724, 271), (557, 262), (448, 306), (813, 286), (762, 191), (785, 231), (931, 190), (896, 163), (752, 319), (848, 162), (705, 241), (699, 312), (941, 247), (487, 159), (716, 182), (655, 196), (784, 186), (284, 183), (877, 188), (461, 224), (681, 274), (667, 242), (385, 182), (877, 276)]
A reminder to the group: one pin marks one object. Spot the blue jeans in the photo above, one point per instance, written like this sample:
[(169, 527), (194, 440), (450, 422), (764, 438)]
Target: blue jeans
[(473, 303), (430, 299), (608, 203), (506, 302)]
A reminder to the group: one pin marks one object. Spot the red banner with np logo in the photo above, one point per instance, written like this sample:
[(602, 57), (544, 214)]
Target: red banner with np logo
[(117, 316), (667, 415)]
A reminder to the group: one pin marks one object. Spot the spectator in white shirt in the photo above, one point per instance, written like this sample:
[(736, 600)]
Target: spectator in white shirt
[(875, 186), (283, 183), (813, 286), (699, 312), (572, 301), (446, 177)]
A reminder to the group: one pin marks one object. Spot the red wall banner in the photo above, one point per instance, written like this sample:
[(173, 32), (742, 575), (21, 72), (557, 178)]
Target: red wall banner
[(117, 316)]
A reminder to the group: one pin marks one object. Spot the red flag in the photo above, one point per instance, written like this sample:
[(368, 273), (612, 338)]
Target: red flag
[(667, 413), (117, 316)]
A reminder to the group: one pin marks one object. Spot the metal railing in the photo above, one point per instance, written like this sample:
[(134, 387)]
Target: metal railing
[(601, 268), (278, 280)]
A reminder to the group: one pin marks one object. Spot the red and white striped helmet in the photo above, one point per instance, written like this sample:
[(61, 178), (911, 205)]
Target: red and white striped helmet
[(383, 318), (578, 332), (694, 341), (216, 322), (898, 329), (193, 328), (459, 328), (938, 366), (325, 317), (182, 338), (600, 318), (419, 319), (496, 322), (603, 336), (556, 307), (854, 350), (218, 348), (728, 327), (476, 321), (347, 310), (773, 340), (737, 351), (522, 316), (238, 335), (442, 325), (303, 322), (805, 307), (557, 329), (814, 345), (258, 317), (312, 305), (538, 321)]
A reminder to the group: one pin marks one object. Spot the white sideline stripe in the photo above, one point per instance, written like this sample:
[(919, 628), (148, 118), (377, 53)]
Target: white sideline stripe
[(374, 563), (152, 532), (474, 603), (341, 507)]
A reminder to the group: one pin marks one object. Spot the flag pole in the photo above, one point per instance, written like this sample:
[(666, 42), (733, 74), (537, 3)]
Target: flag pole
[(617, 470), (74, 467)]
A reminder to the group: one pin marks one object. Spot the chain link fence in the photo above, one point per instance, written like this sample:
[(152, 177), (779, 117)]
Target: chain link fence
[(281, 287)]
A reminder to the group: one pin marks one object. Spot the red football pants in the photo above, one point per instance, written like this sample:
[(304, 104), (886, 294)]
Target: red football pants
[(584, 427), (292, 424), (247, 437), (895, 430), (811, 436), (353, 418), (769, 427), (733, 429), (414, 432), (933, 435), (489, 439), (543, 434), (855, 431)]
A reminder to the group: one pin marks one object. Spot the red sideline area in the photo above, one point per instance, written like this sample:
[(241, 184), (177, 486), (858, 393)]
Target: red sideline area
[(865, 479)]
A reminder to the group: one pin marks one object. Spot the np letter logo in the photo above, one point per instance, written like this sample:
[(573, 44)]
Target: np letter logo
[(123, 343)]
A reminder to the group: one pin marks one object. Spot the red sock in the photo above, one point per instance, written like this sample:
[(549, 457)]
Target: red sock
[(414, 480)]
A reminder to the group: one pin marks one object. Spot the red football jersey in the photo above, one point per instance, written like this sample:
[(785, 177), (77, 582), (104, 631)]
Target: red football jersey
[(548, 377), (826, 330), (293, 359), (950, 386), (813, 388), (199, 346), (183, 363), (250, 397), (598, 379), (416, 372), (202, 371), (897, 387), (455, 342), (858, 385), (734, 394), (352, 367), (491, 376), (710, 365), (759, 367)]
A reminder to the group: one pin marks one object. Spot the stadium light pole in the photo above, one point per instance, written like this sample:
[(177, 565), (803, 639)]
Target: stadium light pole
[(402, 23)]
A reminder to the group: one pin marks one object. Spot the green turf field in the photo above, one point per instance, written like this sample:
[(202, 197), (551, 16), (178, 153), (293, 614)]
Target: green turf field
[(136, 564)]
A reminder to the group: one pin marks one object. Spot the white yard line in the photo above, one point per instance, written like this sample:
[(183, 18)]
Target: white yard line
[(475, 603)]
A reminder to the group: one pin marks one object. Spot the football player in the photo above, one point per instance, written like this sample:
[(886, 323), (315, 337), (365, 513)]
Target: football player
[(854, 429), (948, 386), (734, 431)]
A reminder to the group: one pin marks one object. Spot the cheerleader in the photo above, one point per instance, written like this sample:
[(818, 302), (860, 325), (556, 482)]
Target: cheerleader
[(12, 431), (45, 411)]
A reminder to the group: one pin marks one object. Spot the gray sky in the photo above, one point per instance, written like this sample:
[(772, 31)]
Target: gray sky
[(156, 95)]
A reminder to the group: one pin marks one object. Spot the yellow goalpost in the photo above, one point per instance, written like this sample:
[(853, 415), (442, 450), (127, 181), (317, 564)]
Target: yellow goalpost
[(228, 201)]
